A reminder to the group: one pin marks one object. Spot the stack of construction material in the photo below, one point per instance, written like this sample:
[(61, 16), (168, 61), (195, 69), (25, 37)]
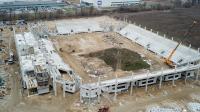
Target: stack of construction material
[(2, 83), (193, 107), (159, 109)]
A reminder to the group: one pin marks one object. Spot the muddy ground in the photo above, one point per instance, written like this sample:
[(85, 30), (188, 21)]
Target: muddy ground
[(173, 23)]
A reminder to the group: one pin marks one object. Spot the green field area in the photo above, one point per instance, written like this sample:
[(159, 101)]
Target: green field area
[(123, 58)]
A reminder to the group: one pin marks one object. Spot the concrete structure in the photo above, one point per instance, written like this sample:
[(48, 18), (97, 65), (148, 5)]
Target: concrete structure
[(35, 77), (160, 45), (41, 66), (186, 61), (94, 90), (108, 3), (77, 26)]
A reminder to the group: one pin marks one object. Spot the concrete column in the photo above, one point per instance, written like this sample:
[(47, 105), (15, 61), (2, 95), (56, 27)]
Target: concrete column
[(99, 89), (185, 79), (55, 89), (64, 90), (131, 85), (28, 92), (54, 86), (160, 84), (89, 96), (197, 75), (146, 86), (81, 100), (174, 76), (173, 80), (116, 83)]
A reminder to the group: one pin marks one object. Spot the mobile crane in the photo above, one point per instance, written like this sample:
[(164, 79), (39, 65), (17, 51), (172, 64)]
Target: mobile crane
[(167, 60)]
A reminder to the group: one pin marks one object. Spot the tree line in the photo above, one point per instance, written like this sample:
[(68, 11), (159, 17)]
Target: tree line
[(48, 15)]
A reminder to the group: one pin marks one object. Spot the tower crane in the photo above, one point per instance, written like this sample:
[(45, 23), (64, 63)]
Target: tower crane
[(168, 59)]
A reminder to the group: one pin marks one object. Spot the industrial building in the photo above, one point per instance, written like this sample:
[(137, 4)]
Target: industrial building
[(16, 5), (108, 3), (195, 2)]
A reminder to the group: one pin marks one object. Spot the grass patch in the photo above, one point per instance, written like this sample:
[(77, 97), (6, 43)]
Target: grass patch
[(129, 60)]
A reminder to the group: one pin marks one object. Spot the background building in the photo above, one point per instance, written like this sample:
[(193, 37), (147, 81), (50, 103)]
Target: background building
[(30, 4), (109, 3), (195, 2)]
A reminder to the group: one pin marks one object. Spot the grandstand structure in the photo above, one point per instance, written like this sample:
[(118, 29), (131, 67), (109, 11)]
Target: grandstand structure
[(185, 59), (41, 66)]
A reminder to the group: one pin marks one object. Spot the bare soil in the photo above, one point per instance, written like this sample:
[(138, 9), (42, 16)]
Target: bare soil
[(74, 48)]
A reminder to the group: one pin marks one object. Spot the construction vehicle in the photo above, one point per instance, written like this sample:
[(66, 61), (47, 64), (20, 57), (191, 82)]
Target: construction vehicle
[(104, 109), (11, 54), (168, 59), (11, 58)]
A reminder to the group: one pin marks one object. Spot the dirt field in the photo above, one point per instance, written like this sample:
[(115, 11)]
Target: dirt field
[(164, 97), (76, 46), (173, 23)]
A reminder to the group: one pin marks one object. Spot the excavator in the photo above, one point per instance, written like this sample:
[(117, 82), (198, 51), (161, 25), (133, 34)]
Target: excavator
[(168, 59)]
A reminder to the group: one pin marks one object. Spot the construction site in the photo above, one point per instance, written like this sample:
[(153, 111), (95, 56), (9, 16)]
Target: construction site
[(97, 64)]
